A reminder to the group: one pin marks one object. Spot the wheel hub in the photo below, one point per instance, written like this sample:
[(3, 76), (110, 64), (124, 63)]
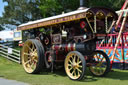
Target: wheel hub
[(75, 65)]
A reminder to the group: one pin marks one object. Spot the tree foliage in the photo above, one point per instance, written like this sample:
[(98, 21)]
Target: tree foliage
[(54, 7), (114, 4), (19, 11), (22, 11)]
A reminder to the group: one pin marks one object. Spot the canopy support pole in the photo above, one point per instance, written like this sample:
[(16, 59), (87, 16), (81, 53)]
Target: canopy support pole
[(89, 24), (106, 23), (95, 23)]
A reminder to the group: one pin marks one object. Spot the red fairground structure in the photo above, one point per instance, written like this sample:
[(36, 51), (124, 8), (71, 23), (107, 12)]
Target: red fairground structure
[(116, 43)]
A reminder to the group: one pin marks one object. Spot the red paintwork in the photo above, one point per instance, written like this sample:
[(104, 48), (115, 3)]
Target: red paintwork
[(121, 55), (82, 24), (21, 44)]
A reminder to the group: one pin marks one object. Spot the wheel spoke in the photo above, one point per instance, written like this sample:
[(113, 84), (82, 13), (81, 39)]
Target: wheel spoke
[(27, 62), (27, 54), (33, 65), (102, 59), (97, 57), (78, 59), (70, 65), (79, 62), (74, 60), (33, 46), (70, 68), (78, 74), (71, 56), (80, 66), (35, 57), (73, 72), (35, 60), (79, 70), (70, 62), (29, 48), (35, 51), (99, 64)]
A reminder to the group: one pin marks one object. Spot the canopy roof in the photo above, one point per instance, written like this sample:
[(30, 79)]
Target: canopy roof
[(75, 15)]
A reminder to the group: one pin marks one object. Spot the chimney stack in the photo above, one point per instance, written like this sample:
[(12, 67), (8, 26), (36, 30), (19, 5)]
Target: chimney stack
[(82, 5)]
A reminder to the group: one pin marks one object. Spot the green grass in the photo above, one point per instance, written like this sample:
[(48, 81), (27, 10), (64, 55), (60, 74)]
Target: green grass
[(14, 71)]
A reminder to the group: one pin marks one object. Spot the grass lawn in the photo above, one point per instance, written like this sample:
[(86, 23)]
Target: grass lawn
[(14, 71)]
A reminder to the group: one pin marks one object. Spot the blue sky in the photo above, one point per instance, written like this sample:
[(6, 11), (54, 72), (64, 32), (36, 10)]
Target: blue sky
[(2, 7)]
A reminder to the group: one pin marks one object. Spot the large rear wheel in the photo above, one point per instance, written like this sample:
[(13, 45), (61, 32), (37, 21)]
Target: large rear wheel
[(75, 65), (99, 63), (33, 56)]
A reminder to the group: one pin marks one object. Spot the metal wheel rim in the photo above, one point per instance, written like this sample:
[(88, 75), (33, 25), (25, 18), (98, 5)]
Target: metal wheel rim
[(73, 66), (29, 56), (98, 66)]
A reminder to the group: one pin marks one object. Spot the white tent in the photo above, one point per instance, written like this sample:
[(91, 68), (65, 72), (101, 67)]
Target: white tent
[(6, 35)]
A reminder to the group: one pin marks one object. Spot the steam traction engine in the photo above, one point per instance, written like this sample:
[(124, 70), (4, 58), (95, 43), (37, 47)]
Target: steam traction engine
[(68, 39)]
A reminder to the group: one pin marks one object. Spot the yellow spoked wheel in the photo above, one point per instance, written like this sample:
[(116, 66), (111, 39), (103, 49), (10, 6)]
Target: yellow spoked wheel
[(75, 65), (32, 56), (99, 64)]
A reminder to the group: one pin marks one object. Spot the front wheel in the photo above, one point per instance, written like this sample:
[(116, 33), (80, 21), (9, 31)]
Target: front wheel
[(75, 65), (33, 56), (99, 63)]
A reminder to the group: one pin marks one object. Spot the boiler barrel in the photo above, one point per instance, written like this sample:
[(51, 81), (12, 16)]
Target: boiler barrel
[(84, 48)]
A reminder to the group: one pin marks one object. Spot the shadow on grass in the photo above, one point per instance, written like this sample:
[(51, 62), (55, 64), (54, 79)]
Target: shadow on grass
[(61, 72), (1, 76), (116, 74), (56, 72)]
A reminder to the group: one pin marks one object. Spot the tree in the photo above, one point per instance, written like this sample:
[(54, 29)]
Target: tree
[(55, 7), (22, 11), (49, 7), (114, 4), (18, 12)]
